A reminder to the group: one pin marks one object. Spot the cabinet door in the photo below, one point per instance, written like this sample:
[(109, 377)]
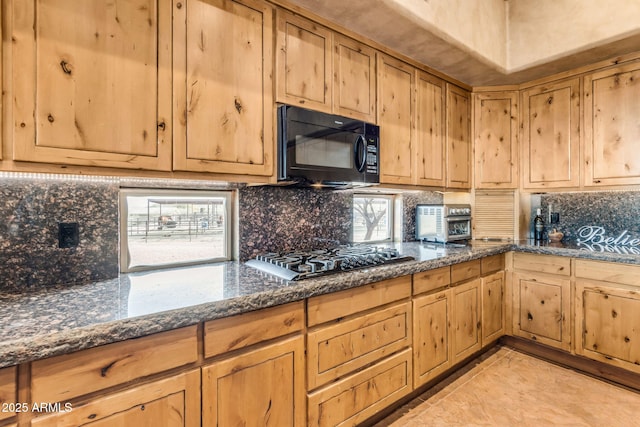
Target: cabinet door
[(224, 110), (607, 323), (496, 139), (430, 130), (551, 135), (303, 63), (493, 307), (432, 353), (354, 85), (465, 324), (8, 390), (396, 82), (263, 387), (458, 137), (541, 309), (612, 126), (174, 401), (92, 82)]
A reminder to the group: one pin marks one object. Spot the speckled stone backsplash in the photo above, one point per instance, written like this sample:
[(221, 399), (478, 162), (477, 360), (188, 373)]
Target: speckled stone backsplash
[(616, 211), (282, 219), (31, 210)]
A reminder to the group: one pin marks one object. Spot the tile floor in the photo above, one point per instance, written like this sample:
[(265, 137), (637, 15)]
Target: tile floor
[(509, 388)]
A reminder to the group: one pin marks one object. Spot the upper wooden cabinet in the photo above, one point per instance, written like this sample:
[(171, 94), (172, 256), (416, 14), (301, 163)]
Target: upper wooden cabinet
[(224, 113), (430, 130), (496, 139), (324, 71), (458, 138), (396, 82), (92, 82), (612, 126), (551, 135)]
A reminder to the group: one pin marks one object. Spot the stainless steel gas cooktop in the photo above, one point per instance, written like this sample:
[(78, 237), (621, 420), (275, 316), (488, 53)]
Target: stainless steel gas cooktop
[(305, 264)]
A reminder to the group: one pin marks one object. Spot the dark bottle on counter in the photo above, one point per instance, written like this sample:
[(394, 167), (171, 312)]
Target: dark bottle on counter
[(538, 227)]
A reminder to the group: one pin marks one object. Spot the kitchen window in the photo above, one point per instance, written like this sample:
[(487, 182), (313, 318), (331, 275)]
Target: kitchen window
[(372, 218), (168, 228)]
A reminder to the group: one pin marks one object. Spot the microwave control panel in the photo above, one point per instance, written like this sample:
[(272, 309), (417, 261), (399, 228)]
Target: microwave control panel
[(372, 155)]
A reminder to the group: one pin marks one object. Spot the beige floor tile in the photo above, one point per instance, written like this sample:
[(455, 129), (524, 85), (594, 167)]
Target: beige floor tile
[(513, 389)]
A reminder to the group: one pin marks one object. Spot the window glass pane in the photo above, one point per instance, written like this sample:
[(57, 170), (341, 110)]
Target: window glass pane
[(372, 218), (173, 228)]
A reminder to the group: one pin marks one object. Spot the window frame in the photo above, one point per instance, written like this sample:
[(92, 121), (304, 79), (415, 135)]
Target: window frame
[(391, 199), (228, 225)]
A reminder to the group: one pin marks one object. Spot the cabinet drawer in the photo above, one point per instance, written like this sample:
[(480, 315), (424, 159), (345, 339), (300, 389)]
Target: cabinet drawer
[(608, 272), (8, 390), (358, 397), (465, 271), (491, 264), (427, 281), (235, 332), (333, 306), (342, 348), (542, 263), (65, 377)]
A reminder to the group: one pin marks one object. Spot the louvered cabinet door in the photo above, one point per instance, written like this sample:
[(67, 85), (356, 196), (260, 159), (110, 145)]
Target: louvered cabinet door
[(494, 215)]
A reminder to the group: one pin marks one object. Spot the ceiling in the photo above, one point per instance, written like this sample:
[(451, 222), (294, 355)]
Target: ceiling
[(492, 42)]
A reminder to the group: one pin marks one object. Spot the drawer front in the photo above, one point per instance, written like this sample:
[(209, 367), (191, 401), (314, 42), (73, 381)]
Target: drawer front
[(491, 264), (542, 263), (360, 396), (8, 390), (339, 349), (431, 280), (64, 377), (465, 271), (608, 272), (235, 332), (325, 308)]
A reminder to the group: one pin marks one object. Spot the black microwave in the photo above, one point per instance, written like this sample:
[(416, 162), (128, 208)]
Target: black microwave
[(320, 149)]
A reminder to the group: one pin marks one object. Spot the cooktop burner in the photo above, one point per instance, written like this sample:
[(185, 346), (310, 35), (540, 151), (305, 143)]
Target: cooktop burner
[(305, 264)]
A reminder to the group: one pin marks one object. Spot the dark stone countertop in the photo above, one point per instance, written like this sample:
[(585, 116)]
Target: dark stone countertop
[(62, 319)]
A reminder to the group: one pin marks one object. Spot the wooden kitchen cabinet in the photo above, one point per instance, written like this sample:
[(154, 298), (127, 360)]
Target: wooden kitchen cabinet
[(396, 82), (458, 138), (91, 83), (466, 337), (8, 390), (607, 305), (493, 307), (541, 301), (431, 320), (551, 135), (264, 386), (171, 402), (496, 139), (612, 126), (303, 63), (430, 130), (224, 112)]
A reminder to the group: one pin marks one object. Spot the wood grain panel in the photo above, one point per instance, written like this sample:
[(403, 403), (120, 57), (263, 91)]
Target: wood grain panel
[(465, 271), (491, 263), (64, 377), (458, 138), (337, 305), (431, 349), (465, 325), (396, 82), (430, 130), (342, 348), (608, 272), (496, 139), (612, 126), (431, 280), (542, 263), (551, 135), (8, 390), (172, 402), (494, 215), (236, 332), (493, 307)]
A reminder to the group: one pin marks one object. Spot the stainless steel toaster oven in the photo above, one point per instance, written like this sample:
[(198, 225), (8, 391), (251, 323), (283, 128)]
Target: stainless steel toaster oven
[(443, 223)]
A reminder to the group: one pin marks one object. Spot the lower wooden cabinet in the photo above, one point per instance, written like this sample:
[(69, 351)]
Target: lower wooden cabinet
[(542, 309), (432, 352), (262, 387), (170, 402), (465, 320), (8, 391), (356, 398), (493, 307)]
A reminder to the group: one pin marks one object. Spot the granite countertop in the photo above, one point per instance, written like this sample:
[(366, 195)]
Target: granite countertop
[(61, 319)]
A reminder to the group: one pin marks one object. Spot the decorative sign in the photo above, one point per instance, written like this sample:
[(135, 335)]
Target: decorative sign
[(595, 238)]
